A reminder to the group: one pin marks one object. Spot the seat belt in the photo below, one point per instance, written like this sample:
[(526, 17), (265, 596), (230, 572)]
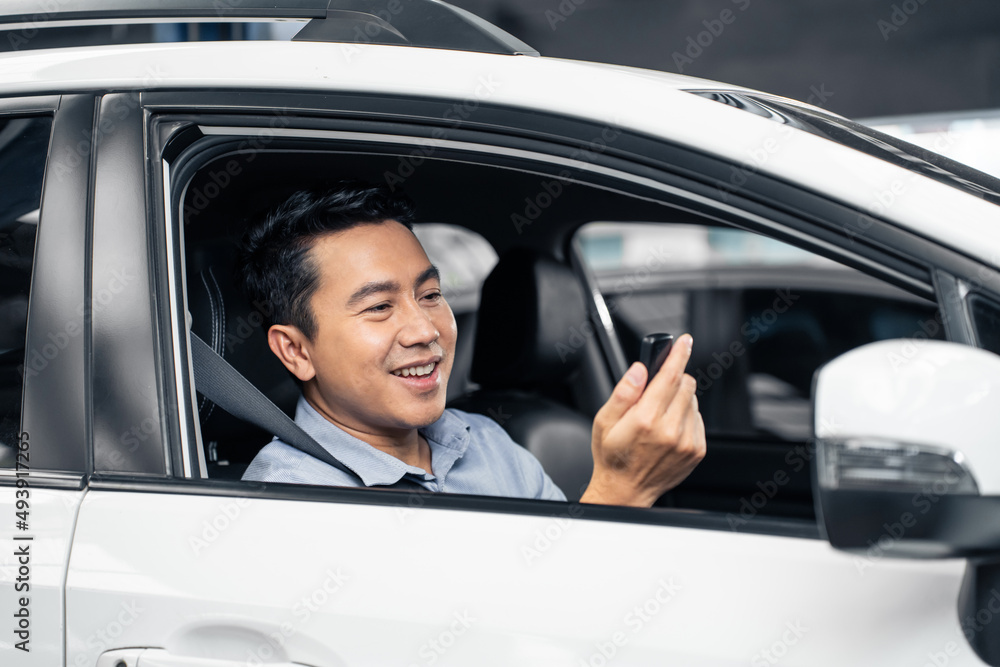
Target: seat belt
[(225, 386)]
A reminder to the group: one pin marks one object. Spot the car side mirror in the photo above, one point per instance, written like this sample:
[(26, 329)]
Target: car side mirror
[(908, 460), (907, 448)]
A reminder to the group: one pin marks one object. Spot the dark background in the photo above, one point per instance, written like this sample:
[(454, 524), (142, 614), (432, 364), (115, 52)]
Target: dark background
[(944, 57)]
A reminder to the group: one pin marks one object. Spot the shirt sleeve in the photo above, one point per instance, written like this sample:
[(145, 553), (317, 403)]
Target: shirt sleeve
[(549, 490), (284, 464)]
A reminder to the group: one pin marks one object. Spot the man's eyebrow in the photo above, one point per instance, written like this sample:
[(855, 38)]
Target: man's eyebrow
[(379, 286), (430, 273)]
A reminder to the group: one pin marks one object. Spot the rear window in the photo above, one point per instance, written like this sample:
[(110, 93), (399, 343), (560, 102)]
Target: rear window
[(24, 145)]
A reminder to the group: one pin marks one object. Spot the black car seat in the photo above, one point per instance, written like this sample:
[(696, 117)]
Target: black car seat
[(528, 349), (236, 330)]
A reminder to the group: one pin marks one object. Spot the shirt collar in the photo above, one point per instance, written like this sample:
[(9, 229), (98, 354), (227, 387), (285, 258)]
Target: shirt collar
[(448, 438)]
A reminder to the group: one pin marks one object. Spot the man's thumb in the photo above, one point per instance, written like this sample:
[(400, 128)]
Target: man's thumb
[(626, 393)]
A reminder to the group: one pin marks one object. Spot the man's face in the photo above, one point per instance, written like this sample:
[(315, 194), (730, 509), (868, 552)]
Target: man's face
[(378, 310)]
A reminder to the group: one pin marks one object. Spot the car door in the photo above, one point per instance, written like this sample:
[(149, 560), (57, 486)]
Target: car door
[(44, 140), (170, 568)]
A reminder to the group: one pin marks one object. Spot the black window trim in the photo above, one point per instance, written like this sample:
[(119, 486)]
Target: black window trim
[(127, 380), (61, 452)]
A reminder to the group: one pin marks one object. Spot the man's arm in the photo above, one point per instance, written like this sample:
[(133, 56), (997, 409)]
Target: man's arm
[(646, 443)]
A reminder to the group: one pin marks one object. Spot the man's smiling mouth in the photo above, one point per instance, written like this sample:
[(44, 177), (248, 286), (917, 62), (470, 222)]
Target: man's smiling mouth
[(418, 371)]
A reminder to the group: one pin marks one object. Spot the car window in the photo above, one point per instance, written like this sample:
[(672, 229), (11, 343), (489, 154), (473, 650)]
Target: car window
[(986, 320), (23, 148), (764, 315)]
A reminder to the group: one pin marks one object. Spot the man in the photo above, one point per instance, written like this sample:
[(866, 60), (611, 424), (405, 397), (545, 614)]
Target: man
[(358, 318)]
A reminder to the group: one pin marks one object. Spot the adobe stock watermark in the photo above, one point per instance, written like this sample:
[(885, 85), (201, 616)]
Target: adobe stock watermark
[(365, 36), (212, 528), (38, 358), (750, 331), (130, 440), (887, 197), (563, 11), (969, 626), (114, 110), (220, 177), (435, 647), (779, 648), (910, 347), (543, 539), (272, 648), (105, 639), (796, 459), (922, 503), (635, 620), (243, 327), (552, 189), (696, 44), (19, 37), (759, 156), (899, 15), (456, 114), (578, 335)]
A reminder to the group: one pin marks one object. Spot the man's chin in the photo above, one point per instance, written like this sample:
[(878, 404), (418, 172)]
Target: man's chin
[(426, 417)]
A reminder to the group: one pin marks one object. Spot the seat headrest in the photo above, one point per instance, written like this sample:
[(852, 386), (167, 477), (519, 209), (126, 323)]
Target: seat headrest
[(532, 323), (237, 330)]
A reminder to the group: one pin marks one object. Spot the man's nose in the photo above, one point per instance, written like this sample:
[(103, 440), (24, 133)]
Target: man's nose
[(419, 328)]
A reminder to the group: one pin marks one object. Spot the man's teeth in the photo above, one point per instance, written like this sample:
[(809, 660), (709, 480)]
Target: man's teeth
[(416, 370)]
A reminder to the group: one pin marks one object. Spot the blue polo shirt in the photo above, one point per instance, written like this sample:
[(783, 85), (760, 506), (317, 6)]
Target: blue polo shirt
[(470, 453)]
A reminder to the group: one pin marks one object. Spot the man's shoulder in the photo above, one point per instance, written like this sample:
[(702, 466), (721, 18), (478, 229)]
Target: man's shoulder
[(278, 461)]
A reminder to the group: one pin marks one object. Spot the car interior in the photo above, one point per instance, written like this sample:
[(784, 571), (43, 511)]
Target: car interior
[(520, 358), (23, 148)]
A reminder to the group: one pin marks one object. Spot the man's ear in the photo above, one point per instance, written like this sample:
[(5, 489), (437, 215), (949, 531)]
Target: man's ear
[(291, 346)]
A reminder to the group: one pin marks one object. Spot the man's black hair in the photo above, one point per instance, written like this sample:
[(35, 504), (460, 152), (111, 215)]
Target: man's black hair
[(273, 265)]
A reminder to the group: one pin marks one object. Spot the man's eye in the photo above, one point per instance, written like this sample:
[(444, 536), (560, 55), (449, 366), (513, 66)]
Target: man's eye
[(380, 308), (433, 296)]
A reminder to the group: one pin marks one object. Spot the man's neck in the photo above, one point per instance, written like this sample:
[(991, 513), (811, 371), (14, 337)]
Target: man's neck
[(406, 445)]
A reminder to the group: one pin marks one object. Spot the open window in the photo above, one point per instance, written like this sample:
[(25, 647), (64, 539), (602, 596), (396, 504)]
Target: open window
[(757, 288)]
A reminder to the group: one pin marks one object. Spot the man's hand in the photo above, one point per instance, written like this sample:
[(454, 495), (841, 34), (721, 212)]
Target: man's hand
[(646, 443)]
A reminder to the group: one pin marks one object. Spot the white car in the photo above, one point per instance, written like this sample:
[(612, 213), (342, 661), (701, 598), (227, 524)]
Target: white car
[(785, 238)]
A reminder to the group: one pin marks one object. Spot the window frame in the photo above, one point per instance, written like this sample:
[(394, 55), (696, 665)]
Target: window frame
[(60, 447), (777, 209)]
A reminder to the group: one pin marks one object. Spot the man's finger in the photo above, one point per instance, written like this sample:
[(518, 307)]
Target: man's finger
[(665, 383), (680, 407), (624, 396)]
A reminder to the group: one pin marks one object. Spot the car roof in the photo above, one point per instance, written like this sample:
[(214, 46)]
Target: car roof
[(648, 102)]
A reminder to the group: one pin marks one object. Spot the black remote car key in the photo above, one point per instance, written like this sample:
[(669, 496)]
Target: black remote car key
[(654, 351)]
